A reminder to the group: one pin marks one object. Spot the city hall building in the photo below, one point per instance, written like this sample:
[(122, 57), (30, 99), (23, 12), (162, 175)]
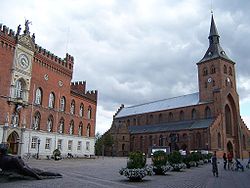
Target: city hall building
[(206, 120), (41, 109)]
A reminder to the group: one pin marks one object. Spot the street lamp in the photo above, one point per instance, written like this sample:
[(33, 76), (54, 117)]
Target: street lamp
[(38, 145)]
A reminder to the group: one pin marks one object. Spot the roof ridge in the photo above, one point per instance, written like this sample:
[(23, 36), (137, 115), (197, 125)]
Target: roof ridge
[(160, 100)]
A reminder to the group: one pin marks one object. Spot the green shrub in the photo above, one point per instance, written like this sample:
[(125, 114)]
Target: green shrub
[(175, 157), (159, 158), (56, 153), (136, 160), (195, 156)]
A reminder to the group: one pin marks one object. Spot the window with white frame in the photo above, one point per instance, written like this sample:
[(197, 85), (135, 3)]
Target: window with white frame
[(59, 144), (36, 121), (80, 129), (72, 107), (50, 124), (71, 127), (79, 146), (18, 89), (34, 142), (81, 111), (62, 104), (88, 131), (47, 143), (87, 145), (51, 100), (70, 143), (89, 112), (61, 126), (38, 96)]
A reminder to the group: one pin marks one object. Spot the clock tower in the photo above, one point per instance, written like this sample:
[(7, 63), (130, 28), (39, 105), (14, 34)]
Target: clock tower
[(217, 84), (22, 66)]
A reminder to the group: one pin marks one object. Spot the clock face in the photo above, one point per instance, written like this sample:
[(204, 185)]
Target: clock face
[(209, 80), (23, 61)]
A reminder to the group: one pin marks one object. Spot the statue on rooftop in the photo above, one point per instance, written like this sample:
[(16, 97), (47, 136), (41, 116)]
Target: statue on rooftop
[(27, 22)]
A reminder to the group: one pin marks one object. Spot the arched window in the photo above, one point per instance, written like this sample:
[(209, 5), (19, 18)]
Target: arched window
[(134, 121), (50, 124), (61, 126), (161, 140), (185, 137), (205, 72), (207, 112), (194, 114), (219, 140), (88, 130), (19, 89), (128, 122), (141, 143), (71, 127), (160, 118), (62, 104), (228, 120), (170, 116), (244, 142), (51, 100), (81, 111), (38, 96), (230, 71), (72, 107), (198, 137), (36, 121), (212, 70), (150, 140), (89, 112), (80, 129), (225, 69), (181, 115), (151, 119)]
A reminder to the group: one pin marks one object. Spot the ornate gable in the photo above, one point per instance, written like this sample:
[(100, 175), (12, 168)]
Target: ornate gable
[(26, 41)]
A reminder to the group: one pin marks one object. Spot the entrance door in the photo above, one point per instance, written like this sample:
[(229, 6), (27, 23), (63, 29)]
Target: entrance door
[(230, 147), (13, 142)]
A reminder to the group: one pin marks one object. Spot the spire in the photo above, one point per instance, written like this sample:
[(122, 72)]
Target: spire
[(214, 50)]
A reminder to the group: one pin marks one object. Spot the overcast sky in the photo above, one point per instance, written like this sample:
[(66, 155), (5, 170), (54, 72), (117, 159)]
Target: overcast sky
[(134, 52)]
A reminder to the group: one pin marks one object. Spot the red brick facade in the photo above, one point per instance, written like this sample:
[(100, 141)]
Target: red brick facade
[(218, 101), (48, 73)]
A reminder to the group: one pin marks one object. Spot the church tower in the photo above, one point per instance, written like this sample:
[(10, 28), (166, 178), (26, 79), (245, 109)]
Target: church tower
[(217, 84)]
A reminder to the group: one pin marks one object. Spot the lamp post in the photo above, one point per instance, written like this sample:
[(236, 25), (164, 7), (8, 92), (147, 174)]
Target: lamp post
[(38, 145)]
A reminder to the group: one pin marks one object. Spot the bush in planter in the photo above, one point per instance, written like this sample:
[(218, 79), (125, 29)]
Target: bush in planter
[(57, 154), (136, 169), (196, 157), (159, 160), (175, 160)]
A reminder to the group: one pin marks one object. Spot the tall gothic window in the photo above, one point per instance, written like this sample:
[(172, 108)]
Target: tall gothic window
[(198, 137), (230, 71), (88, 130), (71, 127), (36, 121), (228, 118), (212, 70), (207, 112), (81, 111), (89, 112), (181, 115), (160, 118), (72, 107), (128, 122), (38, 96), (50, 124), (62, 104), (19, 86), (194, 114), (80, 129), (219, 140), (170, 116), (61, 126), (51, 100), (205, 71), (225, 69)]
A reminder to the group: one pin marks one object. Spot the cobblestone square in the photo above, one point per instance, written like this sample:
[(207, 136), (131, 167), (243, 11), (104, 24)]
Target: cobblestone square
[(103, 172)]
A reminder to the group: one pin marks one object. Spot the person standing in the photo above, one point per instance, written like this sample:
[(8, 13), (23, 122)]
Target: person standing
[(230, 160), (225, 160), (214, 164)]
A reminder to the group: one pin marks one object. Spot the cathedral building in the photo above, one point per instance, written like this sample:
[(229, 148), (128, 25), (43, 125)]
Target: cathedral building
[(206, 120), (41, 109)]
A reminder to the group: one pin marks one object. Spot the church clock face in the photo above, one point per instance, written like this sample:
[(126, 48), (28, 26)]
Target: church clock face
[(23, 61)]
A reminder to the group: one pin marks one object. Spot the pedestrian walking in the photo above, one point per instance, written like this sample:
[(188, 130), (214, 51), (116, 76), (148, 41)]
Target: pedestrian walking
[(230, 160), (214, 165), (225, 160)]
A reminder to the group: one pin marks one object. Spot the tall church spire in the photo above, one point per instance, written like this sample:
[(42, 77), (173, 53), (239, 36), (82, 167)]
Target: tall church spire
[(214, 50)]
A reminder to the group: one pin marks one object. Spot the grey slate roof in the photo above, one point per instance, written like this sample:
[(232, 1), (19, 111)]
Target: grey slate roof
[(214, 50), (172, 126), (165, 104)]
